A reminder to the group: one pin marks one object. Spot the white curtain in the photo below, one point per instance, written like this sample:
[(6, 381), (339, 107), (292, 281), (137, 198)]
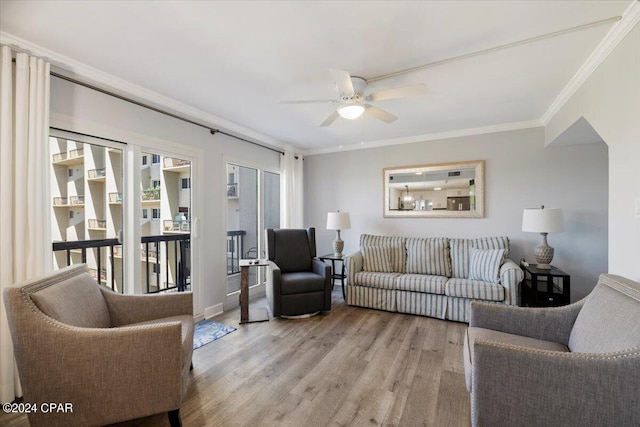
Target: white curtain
[(25, 235), (291, 189)]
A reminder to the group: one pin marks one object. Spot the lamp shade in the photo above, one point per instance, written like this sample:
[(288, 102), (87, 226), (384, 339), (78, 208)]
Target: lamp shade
[(543, 220), (338, 221)]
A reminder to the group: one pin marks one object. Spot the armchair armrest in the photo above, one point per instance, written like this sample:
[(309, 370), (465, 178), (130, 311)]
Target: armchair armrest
[(128, 309), (321, 268), (353, 265), (510, 277), (550, 324), (514, 385)]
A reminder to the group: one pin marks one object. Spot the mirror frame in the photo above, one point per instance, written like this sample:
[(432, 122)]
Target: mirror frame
[(479, 190)]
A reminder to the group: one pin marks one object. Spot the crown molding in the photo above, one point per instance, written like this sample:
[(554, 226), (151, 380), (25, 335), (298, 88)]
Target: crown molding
[(430, 137), (615, 35), (74, 69)]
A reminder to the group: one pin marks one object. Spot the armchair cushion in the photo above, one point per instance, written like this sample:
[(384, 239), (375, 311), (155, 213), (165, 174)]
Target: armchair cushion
[(75, 300), (301, 282)]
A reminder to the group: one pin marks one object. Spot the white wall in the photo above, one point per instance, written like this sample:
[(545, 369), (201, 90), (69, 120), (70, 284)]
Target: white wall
[(610, 101), (80, 109), (520, 173)]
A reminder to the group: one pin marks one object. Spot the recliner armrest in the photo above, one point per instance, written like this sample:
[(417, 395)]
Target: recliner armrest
[(321, 268), (550, 324)]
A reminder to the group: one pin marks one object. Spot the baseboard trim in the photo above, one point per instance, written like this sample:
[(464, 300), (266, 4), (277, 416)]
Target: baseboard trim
[(212, 311)]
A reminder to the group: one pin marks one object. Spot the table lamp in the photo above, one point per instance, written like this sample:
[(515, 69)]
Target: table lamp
[(338, 221), (543, 221)]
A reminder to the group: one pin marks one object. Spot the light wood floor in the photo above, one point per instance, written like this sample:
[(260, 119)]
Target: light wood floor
[(350, 367)]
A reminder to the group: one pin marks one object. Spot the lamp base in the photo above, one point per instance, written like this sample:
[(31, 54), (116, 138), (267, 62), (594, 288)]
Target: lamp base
[(543, 253), (338, 245)]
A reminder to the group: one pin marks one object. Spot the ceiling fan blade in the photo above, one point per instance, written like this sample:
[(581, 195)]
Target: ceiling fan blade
[(343, 81), (399, 92), (380, 114), (332, 117), (311, 101)]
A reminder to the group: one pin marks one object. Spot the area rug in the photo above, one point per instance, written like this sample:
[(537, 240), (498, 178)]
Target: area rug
[(208, 331)]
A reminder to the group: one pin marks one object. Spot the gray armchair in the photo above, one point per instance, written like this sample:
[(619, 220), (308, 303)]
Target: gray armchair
[(297, 282), (577, 365), (113, 357)]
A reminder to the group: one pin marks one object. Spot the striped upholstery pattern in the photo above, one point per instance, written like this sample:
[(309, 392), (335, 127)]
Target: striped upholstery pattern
[(398, 253), (422, 283), (377, 258), (428, 256), (372, 279), (510, 277), (380, 299), (484, 264), (353, 264), (422, 304), (460, 255), (474, 289), (458, 309)]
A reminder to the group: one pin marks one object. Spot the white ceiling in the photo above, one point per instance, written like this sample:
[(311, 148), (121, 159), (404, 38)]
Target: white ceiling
[(238, 60)]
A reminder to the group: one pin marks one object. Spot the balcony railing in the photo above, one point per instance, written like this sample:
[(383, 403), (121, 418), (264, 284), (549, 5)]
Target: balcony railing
[(76, 200), (176, 246), (96, 173), (235, 248), (98, 223), (115, 197), (76, 153), (170, 162), (176, 226), (58, 157), (59, 201)]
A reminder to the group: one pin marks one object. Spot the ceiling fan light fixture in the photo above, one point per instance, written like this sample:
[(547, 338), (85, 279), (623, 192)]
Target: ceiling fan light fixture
[(351, 111)]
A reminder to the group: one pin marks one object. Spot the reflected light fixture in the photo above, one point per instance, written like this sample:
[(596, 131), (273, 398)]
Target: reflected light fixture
[(351, 110), (407, 198)]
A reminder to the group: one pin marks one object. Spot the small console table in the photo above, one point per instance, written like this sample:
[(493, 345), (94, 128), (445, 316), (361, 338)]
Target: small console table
[(544, 288), (248, 315), (340, 276)]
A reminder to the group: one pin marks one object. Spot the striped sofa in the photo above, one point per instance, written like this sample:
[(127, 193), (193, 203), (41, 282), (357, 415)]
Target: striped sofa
[(436, 277)]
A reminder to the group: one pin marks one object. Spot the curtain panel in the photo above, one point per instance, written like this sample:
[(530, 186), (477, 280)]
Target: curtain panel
[(25, 230), (291, 188)]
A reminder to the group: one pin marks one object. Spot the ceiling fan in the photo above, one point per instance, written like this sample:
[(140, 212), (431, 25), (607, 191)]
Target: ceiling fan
[(353, 102)]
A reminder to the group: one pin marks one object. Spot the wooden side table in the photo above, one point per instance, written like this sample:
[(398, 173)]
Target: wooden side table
[(248, 315), (544, 288), (340, 276)]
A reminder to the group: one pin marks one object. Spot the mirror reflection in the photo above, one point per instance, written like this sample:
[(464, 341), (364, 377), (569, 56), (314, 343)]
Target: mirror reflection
[(440, 190)]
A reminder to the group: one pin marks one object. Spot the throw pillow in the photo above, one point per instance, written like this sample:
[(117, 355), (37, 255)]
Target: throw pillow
[(484, 264), (377, 258), (428, 256)]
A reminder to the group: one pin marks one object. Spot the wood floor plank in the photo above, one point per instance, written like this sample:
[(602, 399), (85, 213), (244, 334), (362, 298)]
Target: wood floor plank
[(349, 367)]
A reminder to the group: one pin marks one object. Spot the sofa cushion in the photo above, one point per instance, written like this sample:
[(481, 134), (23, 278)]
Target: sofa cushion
[(76, 301), (609, 319), (396, 245), (377, 258), (460, 252), (376, 280), (422, 283), (474, 289), (474, 334), (428, 256), (484, 264)]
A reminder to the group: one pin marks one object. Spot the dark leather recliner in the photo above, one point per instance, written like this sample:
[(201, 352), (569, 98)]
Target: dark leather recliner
[(297, 282)]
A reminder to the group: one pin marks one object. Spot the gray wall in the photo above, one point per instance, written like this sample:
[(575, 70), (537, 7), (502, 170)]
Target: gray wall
[(520, 173)]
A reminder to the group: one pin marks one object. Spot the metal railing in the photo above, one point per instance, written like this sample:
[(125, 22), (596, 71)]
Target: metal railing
[(98, 223), (59, 201), (175, 246), (235, 248), (115, 197), (76, 200)]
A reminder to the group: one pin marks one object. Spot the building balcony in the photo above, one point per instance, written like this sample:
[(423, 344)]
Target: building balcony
[(115, 198), (60, 201), (171, 226), (151, 194), (176, 165), (97, 224), (76, 200), (72, 157), (96, 174)]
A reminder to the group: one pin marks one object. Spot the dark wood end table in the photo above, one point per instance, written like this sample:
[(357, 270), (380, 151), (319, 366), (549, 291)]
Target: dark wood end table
[(339, 276)]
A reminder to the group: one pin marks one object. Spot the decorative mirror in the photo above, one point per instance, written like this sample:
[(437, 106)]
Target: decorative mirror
[(446, 190)]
